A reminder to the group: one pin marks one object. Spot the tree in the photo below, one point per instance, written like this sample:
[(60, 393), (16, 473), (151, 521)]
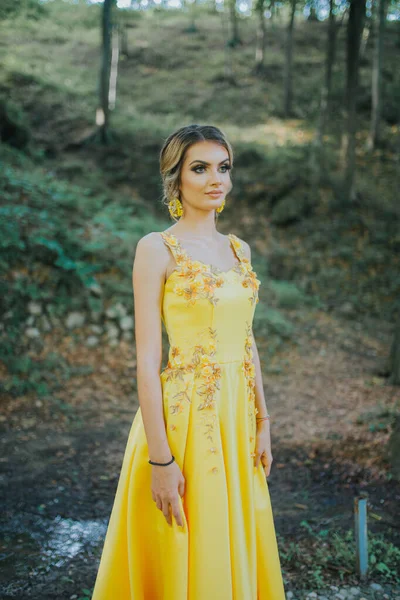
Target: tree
[(102, 114), (326, 90), (261, 34), (233, 20), (288, 91), (348, 151), (374, 135), (394, 360)]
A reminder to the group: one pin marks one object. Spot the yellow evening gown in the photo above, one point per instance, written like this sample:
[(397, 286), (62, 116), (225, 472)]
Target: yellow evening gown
[(227, 549)]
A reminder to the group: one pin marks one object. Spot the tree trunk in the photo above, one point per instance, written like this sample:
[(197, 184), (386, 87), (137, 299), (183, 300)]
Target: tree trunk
[(289, 62), (374, 136), (102, 116), (261, 34), (365, 37), (228, 50), (394, 361), (112, 96), (273, 13), (330, 54), (348, 151), (123, 33), (326, 92), (235, 38)]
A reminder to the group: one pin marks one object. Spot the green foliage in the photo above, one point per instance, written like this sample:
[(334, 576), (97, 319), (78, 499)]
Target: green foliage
[(287, 294), (325, 551), (55, 240), (31, 9)]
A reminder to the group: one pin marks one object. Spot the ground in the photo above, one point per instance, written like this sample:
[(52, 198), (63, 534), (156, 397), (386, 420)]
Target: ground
[(62, 458)]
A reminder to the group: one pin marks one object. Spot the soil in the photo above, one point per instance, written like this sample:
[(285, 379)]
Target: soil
[(61, 456)]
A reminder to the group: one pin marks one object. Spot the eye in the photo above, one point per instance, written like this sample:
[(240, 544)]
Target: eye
[(226, 167)]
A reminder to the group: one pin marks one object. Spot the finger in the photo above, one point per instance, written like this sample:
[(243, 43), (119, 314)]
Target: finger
[(176, 511), (166, 511), (266, 465), (181, 488), (158, 503)]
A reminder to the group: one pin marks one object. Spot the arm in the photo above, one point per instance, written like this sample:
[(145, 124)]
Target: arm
[(148, 277), (263, 445)]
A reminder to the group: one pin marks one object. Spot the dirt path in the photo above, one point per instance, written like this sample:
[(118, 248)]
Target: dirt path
[(61, 458)]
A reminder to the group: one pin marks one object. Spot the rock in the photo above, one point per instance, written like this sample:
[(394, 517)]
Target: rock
[(112, 331), (289, 595), (75, 320), (312, 595), (30, 321), (347, 308), (32, 332), (113, 342), (96, 329), (376, 586), (92, 341), (34, 308), (117, 311), (126, 323), (127, 336), (355, 591)]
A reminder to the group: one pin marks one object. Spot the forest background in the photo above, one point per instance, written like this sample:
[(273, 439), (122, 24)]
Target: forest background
[(308, 93)]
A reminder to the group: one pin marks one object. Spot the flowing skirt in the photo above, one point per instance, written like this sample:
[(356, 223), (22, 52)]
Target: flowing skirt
[(227, 549)]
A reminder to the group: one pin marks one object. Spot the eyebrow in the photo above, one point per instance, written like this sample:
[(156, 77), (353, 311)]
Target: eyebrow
[(206, 163)]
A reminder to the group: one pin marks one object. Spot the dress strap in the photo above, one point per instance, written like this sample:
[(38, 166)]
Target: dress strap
[(173, 244), (239, 250)]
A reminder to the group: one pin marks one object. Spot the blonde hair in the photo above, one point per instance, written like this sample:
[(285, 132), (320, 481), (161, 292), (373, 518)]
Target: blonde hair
[(174, 151)]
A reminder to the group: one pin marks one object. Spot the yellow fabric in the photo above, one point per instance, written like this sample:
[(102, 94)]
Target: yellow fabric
[(227, 549)]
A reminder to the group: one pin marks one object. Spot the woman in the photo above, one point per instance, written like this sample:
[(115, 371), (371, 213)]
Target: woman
[(192, 517)]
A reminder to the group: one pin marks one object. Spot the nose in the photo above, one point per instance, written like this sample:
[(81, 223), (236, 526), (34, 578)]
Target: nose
[(216, 176)]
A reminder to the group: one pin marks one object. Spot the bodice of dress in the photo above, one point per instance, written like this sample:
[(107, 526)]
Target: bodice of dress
[(208, 312)]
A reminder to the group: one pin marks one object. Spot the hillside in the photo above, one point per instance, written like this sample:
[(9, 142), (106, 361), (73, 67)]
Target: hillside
[(71, 213)]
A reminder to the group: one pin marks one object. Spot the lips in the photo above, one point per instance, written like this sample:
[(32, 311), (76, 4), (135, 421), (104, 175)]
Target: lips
[(215, 193)]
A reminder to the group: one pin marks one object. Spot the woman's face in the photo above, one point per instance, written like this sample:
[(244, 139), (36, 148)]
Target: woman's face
[(206, 168)]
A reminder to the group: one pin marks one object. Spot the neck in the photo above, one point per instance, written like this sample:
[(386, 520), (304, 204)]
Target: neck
[(194, 227)]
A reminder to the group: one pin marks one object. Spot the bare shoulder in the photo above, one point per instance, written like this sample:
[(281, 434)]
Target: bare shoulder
[(151, 252), (246, 248), (150, 242)]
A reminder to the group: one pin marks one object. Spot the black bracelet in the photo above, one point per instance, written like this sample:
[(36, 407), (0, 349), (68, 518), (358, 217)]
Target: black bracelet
[(162, 464)]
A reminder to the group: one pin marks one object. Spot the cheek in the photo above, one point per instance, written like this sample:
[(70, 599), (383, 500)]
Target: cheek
[(194, 181)]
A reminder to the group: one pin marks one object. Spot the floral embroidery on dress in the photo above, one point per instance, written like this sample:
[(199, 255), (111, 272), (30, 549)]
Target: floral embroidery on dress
[(250, 280), (205, 369), (199, 280), (250, 375)]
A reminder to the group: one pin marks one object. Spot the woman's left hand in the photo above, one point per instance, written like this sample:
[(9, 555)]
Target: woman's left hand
[(263, 451)]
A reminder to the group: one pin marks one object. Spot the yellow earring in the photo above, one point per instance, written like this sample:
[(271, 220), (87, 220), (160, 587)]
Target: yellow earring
[(221, 208), (175, 208)]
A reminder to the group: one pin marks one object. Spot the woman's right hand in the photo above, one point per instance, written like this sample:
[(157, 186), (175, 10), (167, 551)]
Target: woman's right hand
[(167, 485)]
